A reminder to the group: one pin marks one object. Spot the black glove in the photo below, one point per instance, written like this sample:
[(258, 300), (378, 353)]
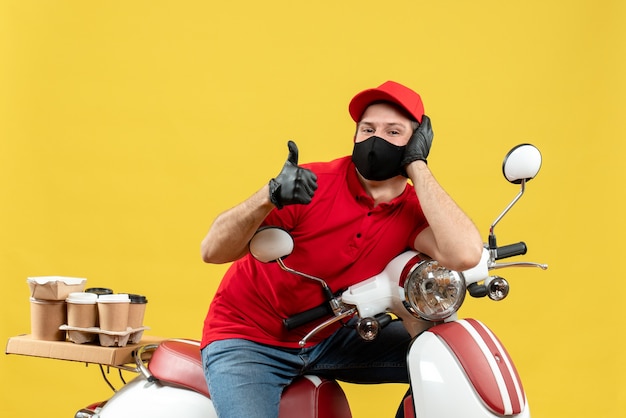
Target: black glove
[(293, 185), (418, 146)]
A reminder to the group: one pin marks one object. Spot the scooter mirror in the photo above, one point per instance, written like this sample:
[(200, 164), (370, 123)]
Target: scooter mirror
[(521, 163), (270, 243)]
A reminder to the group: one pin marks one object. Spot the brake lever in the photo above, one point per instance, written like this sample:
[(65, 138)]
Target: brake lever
[(495, 266), (326, 323)]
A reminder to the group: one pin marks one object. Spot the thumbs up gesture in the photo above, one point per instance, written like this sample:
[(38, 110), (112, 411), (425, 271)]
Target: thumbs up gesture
[(294, 184)]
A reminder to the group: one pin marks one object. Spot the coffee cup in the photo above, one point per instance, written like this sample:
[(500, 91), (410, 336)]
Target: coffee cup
[(82, 311), (137, 310), (113, 311), (46, 316), (99, 291)]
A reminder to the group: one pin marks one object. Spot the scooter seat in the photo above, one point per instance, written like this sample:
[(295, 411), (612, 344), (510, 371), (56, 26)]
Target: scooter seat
[(314, 397), (179, 362)]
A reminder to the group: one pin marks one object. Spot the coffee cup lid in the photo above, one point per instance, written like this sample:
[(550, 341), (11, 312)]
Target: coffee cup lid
[(99, 290), (137, 298), (114, 298), (81, 298)]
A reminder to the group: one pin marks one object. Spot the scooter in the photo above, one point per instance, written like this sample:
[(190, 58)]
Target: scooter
[(457, 367)]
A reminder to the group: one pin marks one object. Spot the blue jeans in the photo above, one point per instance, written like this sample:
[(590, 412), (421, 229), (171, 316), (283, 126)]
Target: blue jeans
[(246, 379)]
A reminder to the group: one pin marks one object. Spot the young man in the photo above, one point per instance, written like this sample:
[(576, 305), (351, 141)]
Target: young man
[(349, 217)]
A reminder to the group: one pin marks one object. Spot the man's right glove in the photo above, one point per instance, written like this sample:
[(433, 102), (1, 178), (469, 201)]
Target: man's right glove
[(418, 146), (293, 185)]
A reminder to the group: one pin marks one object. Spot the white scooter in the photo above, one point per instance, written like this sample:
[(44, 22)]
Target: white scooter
[(457, 367)]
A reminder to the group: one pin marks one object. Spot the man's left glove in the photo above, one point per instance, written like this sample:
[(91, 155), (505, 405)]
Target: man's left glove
[(294, 184), (419, 144)]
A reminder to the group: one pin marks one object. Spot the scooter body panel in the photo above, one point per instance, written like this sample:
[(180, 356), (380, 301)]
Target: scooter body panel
[(141, 398), (452, 376)]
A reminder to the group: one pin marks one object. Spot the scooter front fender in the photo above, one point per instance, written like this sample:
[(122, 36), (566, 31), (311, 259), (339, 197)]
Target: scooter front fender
[(140, 398), (461, 369)]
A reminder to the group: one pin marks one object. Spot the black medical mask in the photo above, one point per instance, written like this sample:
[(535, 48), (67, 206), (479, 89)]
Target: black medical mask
[(377, 159)]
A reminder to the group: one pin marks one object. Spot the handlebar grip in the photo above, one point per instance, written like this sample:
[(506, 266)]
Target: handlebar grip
[(511, 250), (307, 316)]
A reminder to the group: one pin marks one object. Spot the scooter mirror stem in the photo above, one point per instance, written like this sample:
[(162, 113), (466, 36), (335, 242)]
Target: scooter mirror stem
[(328, 293), (492, 237), (327, 289)]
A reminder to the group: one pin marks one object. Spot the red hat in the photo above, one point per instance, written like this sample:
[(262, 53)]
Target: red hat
[(389, 91)]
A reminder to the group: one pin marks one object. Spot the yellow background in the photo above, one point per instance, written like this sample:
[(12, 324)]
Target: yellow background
[(127, 126)]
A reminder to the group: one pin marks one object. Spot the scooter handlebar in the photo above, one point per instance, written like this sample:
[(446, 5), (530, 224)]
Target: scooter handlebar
[(511, 250), (307, 316)]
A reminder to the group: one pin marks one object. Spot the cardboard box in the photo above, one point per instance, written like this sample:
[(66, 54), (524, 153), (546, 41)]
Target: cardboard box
[(54, 287), (84, 353)]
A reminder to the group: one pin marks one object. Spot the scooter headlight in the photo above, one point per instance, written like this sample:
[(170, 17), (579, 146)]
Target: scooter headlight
[(433, 292)]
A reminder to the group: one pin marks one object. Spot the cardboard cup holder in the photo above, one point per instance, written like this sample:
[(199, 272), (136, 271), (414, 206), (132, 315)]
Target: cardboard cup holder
[(105, 338)]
